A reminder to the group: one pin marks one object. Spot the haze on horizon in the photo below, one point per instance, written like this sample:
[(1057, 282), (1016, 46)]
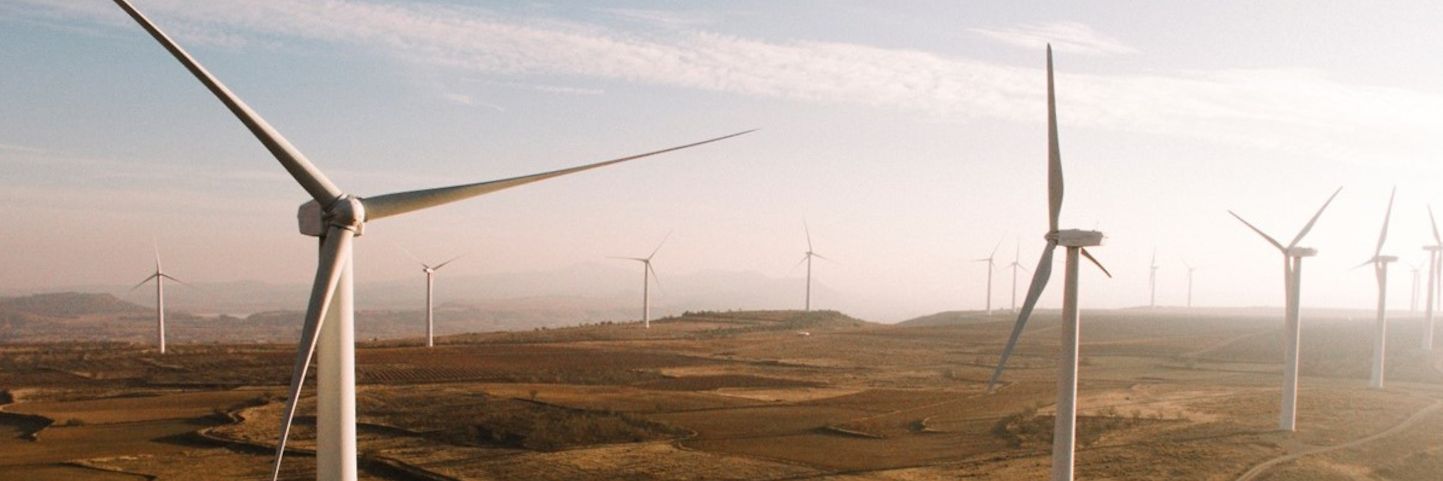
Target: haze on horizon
[(910, 138)]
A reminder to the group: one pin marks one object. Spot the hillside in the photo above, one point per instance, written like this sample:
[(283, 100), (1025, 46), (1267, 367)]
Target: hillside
[(69, 305)]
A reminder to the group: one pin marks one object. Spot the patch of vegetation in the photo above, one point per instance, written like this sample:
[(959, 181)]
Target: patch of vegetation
[(1027, 427)]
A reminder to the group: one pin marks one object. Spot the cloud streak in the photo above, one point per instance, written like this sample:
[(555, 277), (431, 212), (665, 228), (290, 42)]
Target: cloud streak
[(1069, 37), (1298, 110)]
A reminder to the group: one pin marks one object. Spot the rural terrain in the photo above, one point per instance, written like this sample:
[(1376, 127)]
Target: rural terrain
[(1168, 393)]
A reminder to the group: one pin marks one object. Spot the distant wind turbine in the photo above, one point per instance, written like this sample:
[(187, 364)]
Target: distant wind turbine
[(1413, 299), (159, 276), (807, 258), (1292, 286), (1076, 242), (646, 274), (430, 271), (991, 261), (1152, 280), (337, 217), (1433, 286), (1380, 270), (1190, 270), (1016, 265)]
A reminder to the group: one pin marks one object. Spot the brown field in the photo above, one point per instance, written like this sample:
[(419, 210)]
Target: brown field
[(1165, 394)]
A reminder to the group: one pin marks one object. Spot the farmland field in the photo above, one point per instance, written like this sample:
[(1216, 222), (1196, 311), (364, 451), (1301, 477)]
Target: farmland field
[(1164, 394)]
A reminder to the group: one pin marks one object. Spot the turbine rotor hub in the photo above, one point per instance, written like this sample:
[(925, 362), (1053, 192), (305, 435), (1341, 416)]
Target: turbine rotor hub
[(346, 212)]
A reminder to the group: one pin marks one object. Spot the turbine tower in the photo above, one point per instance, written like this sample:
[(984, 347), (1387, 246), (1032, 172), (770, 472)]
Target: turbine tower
[(1190, 270), (991, 260), (1413, 299), (1152, 281), (159, 276), (807, 258), (1016, 265), (1380, 270), (1427, 336), (337, 217), (1292, 286), (646, 274), (1076, 242), (430, 271)]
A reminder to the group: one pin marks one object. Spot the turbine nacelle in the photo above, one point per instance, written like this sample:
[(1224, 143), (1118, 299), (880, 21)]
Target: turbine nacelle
[(1433, 248), (1076, 238), (1300, 252), (1383, 259), (348, 213)]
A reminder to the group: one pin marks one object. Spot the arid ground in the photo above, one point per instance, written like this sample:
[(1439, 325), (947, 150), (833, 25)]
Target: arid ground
[(1166, 394)]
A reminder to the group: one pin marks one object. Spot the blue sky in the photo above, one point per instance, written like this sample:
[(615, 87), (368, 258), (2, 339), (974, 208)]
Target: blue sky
[(910, 136)]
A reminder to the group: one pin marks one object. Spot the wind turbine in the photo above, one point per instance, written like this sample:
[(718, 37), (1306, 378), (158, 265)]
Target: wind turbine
[(1016, 265), (646, 274), (1076, 242), (807, 258), (430, 271), (1152, 280), (1380, 270), (991, 266), (1413, 299), (337, 217), (1432, 282), (1292, 286), (1190, 270), (159, 276)]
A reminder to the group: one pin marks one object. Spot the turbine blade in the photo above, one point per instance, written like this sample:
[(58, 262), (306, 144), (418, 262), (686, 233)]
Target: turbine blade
[(1387, 216), (658, 246), (803, 261), (654, 277), (994, 251), (1368, 262), (156, 245), (183, 283), (1314, 220), (1054, 153), (1039, 283), (141, 283), (1270, 239), (311, 179), (388, 205), (335, 250), (1088, 255), (448, 261), (809, 235), (638, 259)]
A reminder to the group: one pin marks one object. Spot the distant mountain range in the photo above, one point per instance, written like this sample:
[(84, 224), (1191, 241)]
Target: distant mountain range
[(594, 290)]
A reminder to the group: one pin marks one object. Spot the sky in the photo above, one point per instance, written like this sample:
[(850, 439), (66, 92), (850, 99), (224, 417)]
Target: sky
[(909, 136)]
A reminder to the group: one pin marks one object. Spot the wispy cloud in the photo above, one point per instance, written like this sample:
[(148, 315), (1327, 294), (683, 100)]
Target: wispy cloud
[(1070, 37), (661, 17), (469, 101), (1297, 110)]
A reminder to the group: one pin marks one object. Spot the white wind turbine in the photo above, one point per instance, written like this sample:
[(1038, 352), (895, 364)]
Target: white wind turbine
[(647, 272), (1292, 286), (1190, 270), (807, 258), (337, 218), (1380, 270), (1076, 242), (430, 271), (1152, 280), (159, 276), (1433, 286), (1413, 299), (991, 261), (1016, 265)]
